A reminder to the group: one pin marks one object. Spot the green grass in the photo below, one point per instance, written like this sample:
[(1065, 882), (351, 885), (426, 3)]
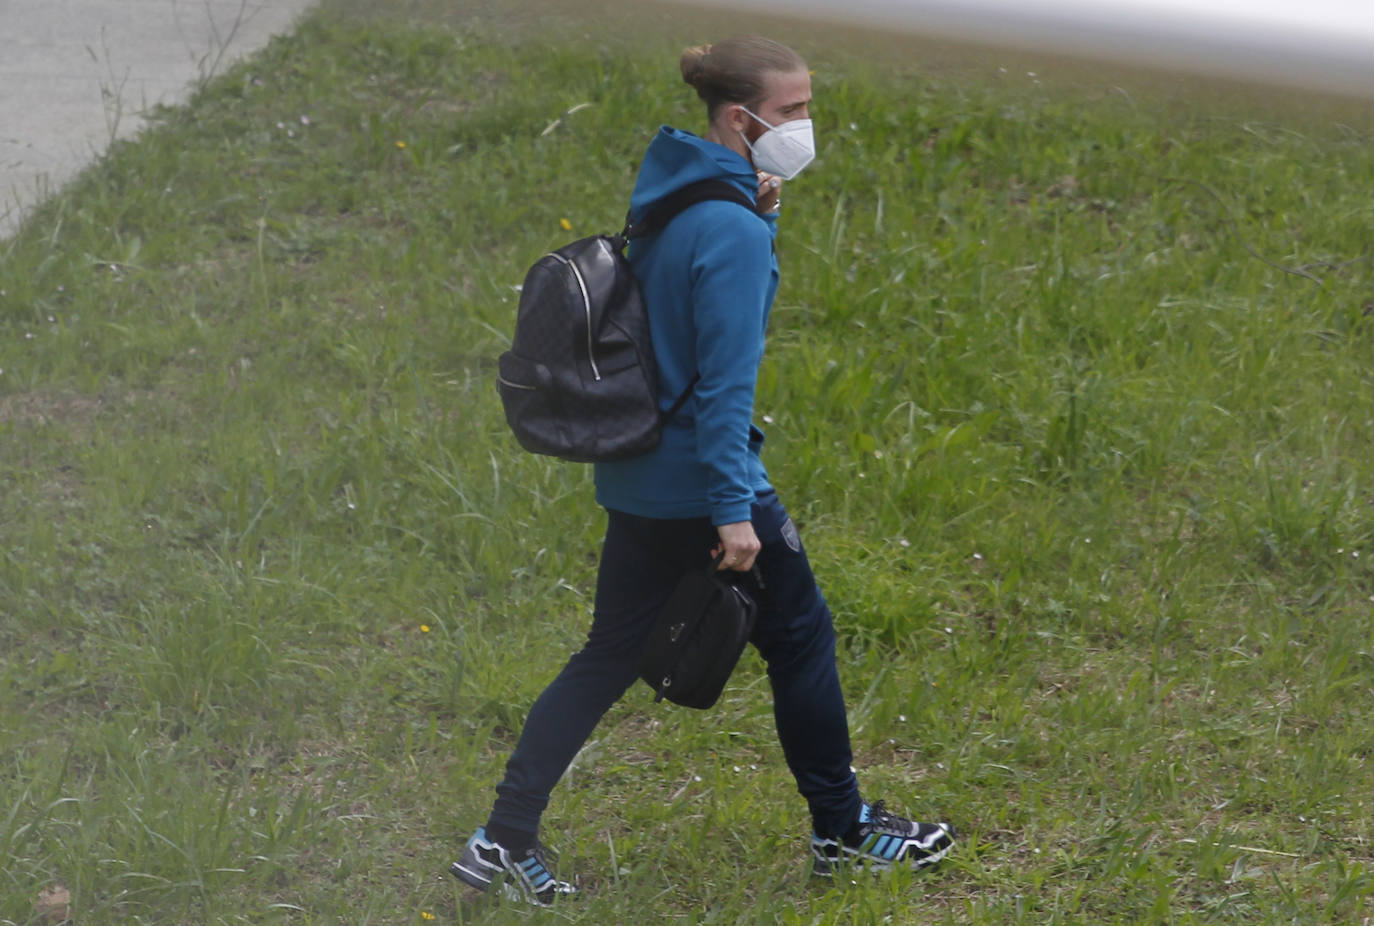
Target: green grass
[(1069, 385)]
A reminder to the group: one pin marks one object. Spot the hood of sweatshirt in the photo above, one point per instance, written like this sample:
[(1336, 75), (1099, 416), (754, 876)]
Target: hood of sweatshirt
[(676, 158)]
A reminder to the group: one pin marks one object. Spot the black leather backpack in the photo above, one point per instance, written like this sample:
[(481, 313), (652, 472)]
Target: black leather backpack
[(580, 381)]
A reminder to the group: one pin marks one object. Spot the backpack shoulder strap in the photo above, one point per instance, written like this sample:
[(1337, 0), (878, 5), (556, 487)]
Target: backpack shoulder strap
[(667, 208), (661, 214)]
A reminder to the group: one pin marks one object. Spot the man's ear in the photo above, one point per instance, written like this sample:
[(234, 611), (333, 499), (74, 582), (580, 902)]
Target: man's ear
[(735, 118)]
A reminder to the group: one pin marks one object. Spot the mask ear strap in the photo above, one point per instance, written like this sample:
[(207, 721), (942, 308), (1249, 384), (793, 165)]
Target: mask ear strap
[(755, 116), (747, 143)]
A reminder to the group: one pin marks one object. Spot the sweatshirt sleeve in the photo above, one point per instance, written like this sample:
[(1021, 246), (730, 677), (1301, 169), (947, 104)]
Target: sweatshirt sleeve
[(731, 280)]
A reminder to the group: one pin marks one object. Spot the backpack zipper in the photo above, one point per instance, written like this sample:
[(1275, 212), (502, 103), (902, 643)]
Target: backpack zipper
[(505, 382), (587, 306)]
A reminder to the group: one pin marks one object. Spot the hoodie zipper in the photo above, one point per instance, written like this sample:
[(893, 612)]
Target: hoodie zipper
[(587, 307)]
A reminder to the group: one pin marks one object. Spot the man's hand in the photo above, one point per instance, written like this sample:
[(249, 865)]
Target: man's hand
[(739, 544), (770, 192)]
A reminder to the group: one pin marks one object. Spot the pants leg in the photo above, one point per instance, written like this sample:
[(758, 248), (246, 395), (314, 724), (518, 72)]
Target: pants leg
[(795, 635), (641, 560)]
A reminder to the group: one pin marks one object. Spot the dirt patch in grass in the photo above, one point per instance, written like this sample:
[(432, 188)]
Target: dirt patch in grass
[(39, 408)]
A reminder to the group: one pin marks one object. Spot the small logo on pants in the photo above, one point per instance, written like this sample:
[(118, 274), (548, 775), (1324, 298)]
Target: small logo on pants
[(790, 536)]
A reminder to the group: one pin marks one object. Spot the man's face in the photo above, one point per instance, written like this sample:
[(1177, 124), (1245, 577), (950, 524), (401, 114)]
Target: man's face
[(787, 96)]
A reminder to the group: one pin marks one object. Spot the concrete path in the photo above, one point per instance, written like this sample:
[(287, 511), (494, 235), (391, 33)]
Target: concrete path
[(74, 74)]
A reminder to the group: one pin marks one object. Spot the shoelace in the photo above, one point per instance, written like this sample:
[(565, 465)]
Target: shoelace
[(879, 816), (542, 854)]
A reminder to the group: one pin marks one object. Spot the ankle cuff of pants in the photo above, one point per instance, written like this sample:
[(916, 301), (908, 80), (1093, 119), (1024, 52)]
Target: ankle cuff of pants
[(513, 838), (833, 822), (516, 824)]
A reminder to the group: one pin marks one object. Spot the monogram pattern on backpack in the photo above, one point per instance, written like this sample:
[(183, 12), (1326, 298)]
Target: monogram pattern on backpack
[(580, 381)]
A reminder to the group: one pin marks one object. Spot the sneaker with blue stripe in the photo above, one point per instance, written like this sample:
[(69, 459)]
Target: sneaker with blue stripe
[(881, 841), (527, 877)]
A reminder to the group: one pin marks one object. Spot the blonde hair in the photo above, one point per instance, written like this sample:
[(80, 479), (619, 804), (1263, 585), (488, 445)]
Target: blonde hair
[(735, 70)]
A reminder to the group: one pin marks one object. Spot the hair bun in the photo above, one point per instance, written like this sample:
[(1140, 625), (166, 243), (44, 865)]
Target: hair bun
[(736, 70), (694, 62)]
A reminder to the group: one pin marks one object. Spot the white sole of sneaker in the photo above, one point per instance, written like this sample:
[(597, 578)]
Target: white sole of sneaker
[(469, 877), (825, 868)]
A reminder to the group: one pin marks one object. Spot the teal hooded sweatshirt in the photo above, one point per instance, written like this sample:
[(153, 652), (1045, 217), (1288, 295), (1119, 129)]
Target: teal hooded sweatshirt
[(708, 281)]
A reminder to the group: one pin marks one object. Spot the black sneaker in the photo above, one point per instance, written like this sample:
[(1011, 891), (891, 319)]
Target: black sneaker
[(527, 877), (883, 840)]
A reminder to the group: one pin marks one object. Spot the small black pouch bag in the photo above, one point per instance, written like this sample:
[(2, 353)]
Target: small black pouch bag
[(697, 638)]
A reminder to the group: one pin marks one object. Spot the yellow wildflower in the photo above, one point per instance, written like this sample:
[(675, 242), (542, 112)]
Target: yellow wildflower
[(567, 226), (400, 144), (424, 628)]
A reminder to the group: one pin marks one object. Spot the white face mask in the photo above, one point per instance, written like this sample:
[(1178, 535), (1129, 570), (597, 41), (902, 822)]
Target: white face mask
[(784, 149)]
